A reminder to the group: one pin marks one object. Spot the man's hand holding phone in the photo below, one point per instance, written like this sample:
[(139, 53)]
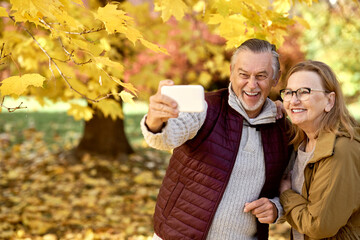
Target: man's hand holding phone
[(169, 100)]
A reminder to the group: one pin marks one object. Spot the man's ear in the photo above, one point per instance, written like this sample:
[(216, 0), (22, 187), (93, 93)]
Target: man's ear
[(276, 80), (331, 101)]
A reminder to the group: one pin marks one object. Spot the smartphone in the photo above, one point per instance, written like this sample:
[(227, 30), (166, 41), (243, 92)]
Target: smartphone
[(190, 98)]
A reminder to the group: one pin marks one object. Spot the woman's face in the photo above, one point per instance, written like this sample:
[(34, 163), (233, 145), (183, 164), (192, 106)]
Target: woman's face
[(307, 114)]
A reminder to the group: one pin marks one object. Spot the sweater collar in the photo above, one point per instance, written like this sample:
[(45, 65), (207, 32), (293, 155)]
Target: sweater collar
[(267, 114)]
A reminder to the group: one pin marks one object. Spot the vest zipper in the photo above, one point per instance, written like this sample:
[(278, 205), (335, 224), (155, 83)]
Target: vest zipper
[(223, 190)]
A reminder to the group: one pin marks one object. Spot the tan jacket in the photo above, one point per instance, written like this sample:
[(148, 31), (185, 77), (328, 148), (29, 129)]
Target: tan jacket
[(329, 207)]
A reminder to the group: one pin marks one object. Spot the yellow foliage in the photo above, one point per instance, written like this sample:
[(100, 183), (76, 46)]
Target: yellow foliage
[(168, 8), (282, 5), (80, 112), (115, 20), (3, 12), (110, 107), (128, 86), (153, 46), (145, 177), (17, 85), (302, 22), (70, 44), (101, 61), (33, 9), (79, 2), (126, 97), (90, 47)]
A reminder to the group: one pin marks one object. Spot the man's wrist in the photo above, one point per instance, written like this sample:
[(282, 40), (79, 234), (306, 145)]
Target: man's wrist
[(156, 129)]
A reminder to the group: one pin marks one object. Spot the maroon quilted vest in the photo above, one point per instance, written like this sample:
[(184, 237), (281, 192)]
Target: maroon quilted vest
[(199, 171)]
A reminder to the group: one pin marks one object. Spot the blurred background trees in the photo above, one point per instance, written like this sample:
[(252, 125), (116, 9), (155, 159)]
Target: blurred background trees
[(91, 50), (334, 37), (97, 54)]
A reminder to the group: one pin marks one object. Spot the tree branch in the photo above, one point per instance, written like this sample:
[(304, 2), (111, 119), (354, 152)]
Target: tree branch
[(11, 109), (72, 33), (70, 55), (2, 54), (51, 61)]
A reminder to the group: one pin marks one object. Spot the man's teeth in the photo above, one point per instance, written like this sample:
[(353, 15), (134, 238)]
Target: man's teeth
[(298, 110), (251, 94)]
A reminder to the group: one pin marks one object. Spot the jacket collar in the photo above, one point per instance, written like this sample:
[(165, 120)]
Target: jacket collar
[(324, 146)]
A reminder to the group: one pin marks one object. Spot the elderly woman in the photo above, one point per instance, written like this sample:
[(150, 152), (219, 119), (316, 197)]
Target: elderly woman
[(322, 197)]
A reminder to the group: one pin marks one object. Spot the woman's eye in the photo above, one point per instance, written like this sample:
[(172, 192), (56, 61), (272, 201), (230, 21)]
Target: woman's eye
[(304, 92)]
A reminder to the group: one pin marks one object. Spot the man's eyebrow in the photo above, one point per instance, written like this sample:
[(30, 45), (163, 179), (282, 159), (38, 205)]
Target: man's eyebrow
[(264, 71), (261, 72), (242, 70)]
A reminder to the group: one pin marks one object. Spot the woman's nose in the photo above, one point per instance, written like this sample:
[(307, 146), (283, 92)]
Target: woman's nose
[(294, 98)]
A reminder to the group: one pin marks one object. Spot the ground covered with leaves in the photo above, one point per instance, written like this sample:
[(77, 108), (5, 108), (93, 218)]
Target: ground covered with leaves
[(48, 194)]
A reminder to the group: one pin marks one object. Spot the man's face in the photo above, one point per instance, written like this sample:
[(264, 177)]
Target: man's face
[(252, 79)]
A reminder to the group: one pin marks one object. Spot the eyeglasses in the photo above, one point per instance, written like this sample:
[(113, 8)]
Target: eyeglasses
[(302, 94)]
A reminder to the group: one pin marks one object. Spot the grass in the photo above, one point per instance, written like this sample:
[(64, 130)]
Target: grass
[(58, 127), (54, 125)]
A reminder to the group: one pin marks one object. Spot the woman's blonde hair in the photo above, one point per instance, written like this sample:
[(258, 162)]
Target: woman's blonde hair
[(338, 115)]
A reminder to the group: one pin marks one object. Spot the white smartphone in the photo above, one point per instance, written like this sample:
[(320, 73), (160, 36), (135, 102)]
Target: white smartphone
[(190, 98)]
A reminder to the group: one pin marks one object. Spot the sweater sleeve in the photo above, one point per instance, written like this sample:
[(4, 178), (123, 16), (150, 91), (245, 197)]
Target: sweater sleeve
[(176, 131), (279, 208)]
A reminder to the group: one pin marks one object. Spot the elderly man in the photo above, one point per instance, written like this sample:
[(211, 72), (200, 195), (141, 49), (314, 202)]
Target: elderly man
[(223, 177)]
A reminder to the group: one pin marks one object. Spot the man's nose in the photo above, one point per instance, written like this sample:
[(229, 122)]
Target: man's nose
[(252, 83)]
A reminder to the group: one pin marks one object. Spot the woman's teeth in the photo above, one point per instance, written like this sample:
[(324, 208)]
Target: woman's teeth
[(298, 110)]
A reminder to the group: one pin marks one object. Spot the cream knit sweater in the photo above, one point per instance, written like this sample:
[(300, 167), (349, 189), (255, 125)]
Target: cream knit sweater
[(248, 175)]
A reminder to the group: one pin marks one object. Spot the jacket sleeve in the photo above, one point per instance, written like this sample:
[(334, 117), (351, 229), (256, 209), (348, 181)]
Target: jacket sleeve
[(333, 195)]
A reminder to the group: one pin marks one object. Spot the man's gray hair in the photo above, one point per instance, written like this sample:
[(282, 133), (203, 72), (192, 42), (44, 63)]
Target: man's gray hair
[(258, 46)]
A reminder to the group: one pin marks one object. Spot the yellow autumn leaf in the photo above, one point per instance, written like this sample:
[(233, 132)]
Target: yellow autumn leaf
[(153, 46), (78, 2), (18, 84), (110, 107), (101, 61), (127, 97), (132, 34), (215, 19), (80, 112), (87, 46), (302, 22), (3, 12), (205, 79), (176, 8), (36, 8), (145, 177), (308, 2), (258, 3), (115, 20), (282, 6), (128, 86)]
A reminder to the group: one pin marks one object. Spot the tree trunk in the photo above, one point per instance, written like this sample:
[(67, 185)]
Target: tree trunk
[(104, 136)]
